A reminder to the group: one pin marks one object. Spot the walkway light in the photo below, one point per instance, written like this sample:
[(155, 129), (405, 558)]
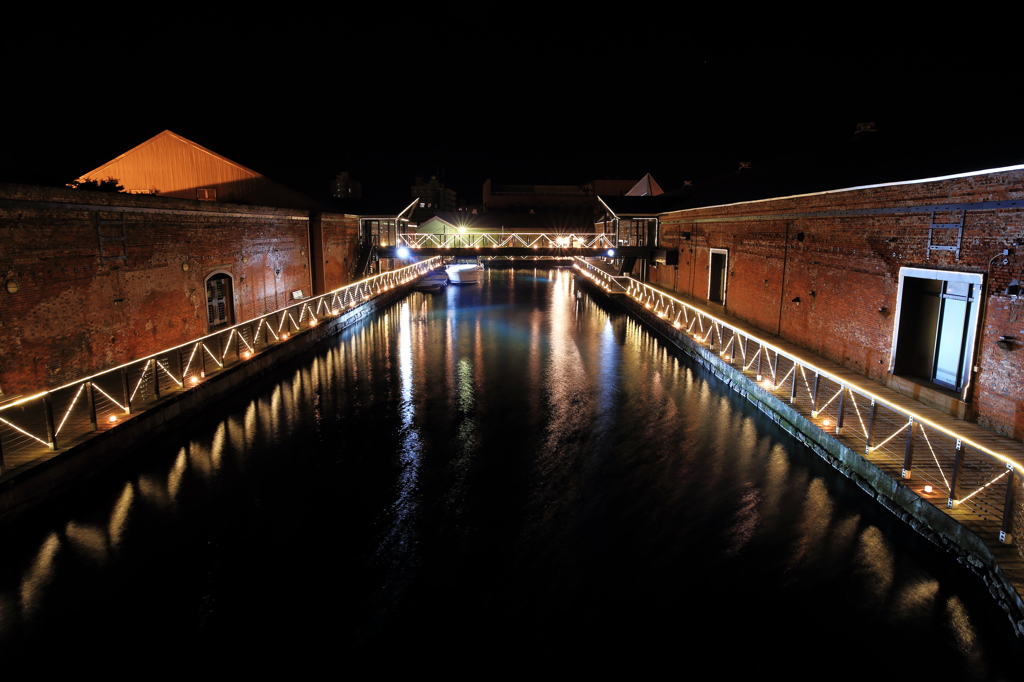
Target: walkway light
[(113, 418), (927, 490)]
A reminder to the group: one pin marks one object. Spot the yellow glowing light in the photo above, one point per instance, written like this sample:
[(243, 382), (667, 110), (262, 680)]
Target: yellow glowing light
[(284, 336), (312, 323), (335, 311), (193, 380), (247, 354), (927, 489), (827, 422), (113, 419)]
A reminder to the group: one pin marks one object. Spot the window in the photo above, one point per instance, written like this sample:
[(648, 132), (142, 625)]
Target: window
[(936, 325), (219, 305), (717, 272)]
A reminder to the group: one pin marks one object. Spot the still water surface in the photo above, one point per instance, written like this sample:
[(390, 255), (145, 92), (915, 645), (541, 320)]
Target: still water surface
[(507, 473)]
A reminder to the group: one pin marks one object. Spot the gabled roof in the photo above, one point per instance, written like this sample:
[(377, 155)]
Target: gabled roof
[(171, 165), (866, 159)]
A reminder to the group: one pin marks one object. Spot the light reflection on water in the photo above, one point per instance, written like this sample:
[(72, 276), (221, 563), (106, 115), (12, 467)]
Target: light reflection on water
[(506, 468)]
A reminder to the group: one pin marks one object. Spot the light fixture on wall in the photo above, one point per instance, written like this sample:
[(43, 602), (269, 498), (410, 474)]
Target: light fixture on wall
[(1006, 343)]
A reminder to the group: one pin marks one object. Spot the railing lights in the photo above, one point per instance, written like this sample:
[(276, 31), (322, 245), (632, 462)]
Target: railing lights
[(193, 380), (827, 422), (312, 322), (335, 311), (927, 490), (246, 354), (284, 336), (113, 418)]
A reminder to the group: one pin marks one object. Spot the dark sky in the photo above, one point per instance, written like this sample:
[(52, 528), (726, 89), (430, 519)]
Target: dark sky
[(535, 95)]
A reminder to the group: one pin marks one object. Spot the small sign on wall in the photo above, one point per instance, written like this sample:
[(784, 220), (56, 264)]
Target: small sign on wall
[(297, 294)]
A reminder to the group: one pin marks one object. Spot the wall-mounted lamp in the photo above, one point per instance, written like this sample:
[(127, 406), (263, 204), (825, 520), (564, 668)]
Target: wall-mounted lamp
[(883, 311), (1006, 343), (796, 300)]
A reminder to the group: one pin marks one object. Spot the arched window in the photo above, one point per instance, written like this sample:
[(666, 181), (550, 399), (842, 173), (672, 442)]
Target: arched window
[(219, 301)]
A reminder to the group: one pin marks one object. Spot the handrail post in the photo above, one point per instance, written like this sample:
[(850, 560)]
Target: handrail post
[(156, 381), (842, 404), (908, 455), (202, 359), (760, 356), (125, 392), (792, 385), (954, 481), (871, 426), (51, 434), (91, 395), (180, 366), (1006, 527), (814, 394)]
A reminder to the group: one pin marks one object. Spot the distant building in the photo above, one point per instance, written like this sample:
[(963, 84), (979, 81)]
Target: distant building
[(432, 196), (345, 187), (547, 197)]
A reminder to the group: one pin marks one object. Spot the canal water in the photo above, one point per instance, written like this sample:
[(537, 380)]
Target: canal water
[(507, 475)]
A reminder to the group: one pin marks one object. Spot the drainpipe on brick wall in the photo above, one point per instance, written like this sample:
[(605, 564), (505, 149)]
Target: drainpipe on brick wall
[(693, 257), (782, 293)]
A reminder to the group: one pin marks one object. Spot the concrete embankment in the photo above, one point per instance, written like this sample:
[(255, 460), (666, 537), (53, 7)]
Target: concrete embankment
[(28, 488), (920, 514)]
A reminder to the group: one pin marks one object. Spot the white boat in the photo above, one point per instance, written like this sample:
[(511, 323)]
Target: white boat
[(465, 273)]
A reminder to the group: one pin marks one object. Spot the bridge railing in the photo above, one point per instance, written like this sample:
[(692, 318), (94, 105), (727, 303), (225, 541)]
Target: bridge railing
[(34, 424), (501, 240), (977, 483)]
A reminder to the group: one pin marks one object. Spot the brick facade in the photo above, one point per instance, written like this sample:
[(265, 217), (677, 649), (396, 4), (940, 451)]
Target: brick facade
[(104, 278), (822, 271)]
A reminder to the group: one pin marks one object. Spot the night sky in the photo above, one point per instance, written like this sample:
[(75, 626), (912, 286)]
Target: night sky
[(536, 95)]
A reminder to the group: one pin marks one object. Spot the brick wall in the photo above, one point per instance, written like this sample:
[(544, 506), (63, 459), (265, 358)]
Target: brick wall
[(83, 305), (844, 269)]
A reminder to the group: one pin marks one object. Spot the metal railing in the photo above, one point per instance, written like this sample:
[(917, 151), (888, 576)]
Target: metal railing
[(499, 240), (975, 482), (34, 424)]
